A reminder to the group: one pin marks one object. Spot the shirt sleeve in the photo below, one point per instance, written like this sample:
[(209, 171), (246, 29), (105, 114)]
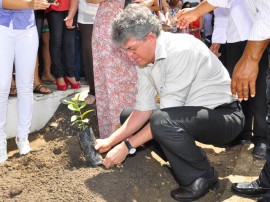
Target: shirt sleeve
[(261, 25), (220, 3), (145, 99), (220, 26), (1, 1)]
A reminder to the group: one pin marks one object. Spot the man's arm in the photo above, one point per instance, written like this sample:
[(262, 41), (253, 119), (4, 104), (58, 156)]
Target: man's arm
[(134, 122), (246, 70), (25, 4), (186, 16), (118, 154)]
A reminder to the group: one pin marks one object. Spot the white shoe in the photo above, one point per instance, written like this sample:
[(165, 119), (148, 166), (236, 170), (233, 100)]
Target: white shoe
[(23, 145), (3, 152)]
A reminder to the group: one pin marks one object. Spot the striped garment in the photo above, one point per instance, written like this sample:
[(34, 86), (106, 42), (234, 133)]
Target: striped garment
[(259, 13)]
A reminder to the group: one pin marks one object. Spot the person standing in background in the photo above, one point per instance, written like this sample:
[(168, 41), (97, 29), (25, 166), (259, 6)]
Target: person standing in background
[(245, 75), (19, 44), (114, 72), (39, 87), (208, 26), (86, 18), (232, 27), (62, 21)]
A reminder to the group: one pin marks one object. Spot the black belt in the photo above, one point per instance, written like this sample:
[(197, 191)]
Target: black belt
[(233, 105)]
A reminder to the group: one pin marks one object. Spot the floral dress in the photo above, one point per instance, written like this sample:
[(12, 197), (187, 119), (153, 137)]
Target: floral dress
[(114, 72)]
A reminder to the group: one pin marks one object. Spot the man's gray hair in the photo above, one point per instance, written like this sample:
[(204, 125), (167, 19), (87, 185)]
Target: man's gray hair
[(135, 21)]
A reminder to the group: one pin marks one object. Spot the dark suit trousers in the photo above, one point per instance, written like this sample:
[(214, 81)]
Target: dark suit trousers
[(265, 173), (176, 129), (255, 109)]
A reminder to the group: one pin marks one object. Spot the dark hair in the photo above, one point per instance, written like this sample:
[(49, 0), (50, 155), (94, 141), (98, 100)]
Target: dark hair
[(185, 4)]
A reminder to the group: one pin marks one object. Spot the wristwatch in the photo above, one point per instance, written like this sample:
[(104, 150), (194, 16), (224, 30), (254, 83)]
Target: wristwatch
[(131, 150)]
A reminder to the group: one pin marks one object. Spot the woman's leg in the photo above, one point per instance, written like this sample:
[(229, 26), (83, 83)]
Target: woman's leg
[(47, 75), (6, 68), (87, 56), (56, 24), (26, 47), (68, 50)]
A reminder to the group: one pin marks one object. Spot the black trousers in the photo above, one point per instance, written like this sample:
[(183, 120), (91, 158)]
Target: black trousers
[(62, 44), (87, 56), (177, 128), (264, 176), (255, 109)]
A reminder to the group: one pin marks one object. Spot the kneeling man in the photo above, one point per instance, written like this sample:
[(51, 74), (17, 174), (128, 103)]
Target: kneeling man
[(195, 101)]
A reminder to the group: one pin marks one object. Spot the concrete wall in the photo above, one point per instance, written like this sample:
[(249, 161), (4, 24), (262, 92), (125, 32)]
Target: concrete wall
[(44, 108)]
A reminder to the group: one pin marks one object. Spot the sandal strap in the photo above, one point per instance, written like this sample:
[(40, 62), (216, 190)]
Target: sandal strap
[(38, 87)]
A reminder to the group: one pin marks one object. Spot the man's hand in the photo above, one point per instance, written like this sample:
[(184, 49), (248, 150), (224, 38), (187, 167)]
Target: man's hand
[(246, 70), (185, 16), (116, 156), (244, 79), (69, 22), (103, 145), (38, 4), (215, 49)]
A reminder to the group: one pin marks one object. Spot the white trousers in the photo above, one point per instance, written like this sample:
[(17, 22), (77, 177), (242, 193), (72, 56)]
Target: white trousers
[(18, 47)]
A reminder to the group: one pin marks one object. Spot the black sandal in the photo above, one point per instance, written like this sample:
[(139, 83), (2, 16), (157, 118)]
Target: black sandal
[(37, 89)]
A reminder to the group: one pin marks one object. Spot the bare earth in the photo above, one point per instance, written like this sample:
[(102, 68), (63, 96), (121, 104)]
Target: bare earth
[(56, 170)]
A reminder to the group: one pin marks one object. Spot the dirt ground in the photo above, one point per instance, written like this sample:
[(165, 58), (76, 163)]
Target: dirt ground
[(57, 171)]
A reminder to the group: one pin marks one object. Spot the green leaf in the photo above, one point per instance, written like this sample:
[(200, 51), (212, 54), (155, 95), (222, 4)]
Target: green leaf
[(73, 107), (85, 120), (76, 97), (82, 105), (86, 112), (75, 122), (68, 102), (74, 118)]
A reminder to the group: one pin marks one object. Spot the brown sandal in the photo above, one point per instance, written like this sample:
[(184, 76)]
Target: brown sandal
[(13, 91)]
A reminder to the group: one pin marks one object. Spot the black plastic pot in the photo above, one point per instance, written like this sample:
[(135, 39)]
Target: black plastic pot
[(87, 141)]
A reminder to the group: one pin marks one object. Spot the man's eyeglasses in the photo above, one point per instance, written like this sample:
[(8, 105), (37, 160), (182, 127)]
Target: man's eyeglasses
[(134, 49)]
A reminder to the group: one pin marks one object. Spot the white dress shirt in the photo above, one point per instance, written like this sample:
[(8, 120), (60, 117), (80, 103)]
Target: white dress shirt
[(232, 24), (259, 12), (185, 73)]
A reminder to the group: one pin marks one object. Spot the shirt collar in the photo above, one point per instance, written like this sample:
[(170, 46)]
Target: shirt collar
[(160, 52)]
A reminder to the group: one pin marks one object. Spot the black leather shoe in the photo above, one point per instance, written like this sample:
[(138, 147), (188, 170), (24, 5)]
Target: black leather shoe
[(249, 189), (259, 150), (196, 189)]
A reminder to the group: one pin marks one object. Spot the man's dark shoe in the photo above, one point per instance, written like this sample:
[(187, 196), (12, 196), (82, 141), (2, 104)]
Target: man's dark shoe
[(259, 150), (196, 189), (249, 189)]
